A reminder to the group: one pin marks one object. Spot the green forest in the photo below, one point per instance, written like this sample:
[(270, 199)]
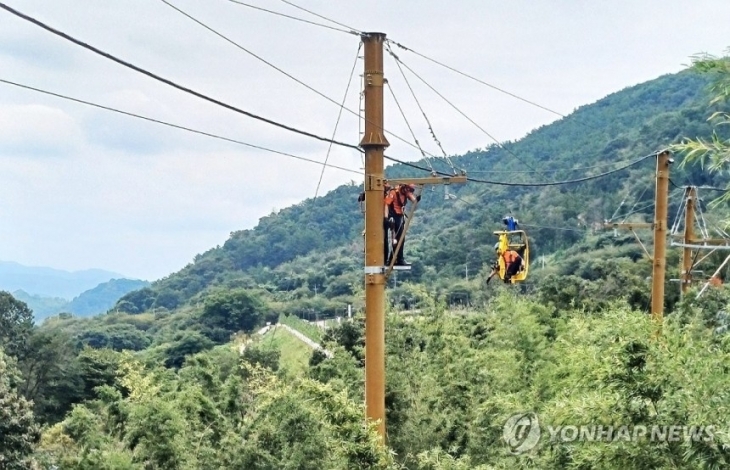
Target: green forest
[(178, 375)]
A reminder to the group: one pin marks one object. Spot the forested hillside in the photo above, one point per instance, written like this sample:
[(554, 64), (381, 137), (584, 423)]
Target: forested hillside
[(448, 235), (206, 368), (103, 297)]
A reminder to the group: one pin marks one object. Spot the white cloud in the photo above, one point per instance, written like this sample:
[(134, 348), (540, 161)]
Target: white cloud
[(37, 130)]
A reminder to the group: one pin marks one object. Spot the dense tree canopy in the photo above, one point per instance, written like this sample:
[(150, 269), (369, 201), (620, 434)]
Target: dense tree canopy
[(234, 310), (16, 323), (18, 430)]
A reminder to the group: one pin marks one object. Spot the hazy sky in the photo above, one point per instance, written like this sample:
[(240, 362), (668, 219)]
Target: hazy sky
[(82, 187)]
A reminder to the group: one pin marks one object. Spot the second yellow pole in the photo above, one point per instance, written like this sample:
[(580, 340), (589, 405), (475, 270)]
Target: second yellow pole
[(661, 201)]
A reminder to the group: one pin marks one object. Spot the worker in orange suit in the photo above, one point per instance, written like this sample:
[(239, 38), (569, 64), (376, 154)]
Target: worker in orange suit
[(512, 263), (395, 204)]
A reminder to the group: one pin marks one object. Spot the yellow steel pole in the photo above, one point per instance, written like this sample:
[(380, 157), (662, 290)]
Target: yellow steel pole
[(689, 234), (660, 234), (374, 144)]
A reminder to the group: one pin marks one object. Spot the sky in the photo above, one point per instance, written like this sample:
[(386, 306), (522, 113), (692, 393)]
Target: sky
[(82, 187)]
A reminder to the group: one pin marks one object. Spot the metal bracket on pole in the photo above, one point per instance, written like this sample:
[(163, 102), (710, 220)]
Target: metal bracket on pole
[(374, 183), (374, 269), (633, 227)]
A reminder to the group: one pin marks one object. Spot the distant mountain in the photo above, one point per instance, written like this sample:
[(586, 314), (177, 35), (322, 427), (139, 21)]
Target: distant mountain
[(91, 302), (49, 282), (42, 307), (103, 297)]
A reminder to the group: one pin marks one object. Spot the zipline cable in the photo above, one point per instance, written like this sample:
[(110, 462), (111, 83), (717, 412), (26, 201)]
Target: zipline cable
[(408, 124), (408, 164), (567, 229), (678, 216), (415, 98), (636, 211), (620, 206), (647, 205), (277, 124), (456, 108), (323, 17), (710, 188), (675, 184), (576, 180), (547, 170), (175, 126), (349, 31), (551, 183), (256, 56), (476, 79), (181, 87), (339, 115), (637, 200), (169, 82), (280, 70)]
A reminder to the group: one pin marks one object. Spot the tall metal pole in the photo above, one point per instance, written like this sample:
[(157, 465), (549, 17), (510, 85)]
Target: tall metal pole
[(374, 144), (660, 234), (685, 277)]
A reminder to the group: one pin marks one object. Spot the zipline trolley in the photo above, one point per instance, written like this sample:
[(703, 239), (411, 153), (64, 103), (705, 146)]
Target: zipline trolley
[(512, 240)]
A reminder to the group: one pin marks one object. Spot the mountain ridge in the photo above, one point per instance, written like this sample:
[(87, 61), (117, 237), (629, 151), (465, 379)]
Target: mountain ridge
[(51, 282), (91, 302)]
